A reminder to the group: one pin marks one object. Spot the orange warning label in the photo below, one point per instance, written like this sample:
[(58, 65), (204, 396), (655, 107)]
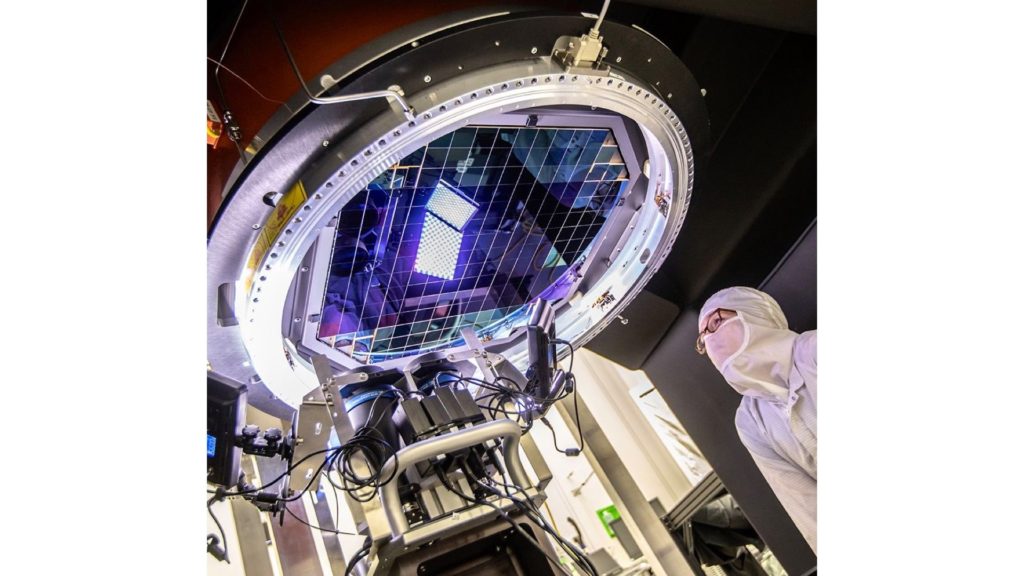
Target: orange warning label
[(286, 208)]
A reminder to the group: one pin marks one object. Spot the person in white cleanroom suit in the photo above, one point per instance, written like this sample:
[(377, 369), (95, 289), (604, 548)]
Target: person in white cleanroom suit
[(747, 338)]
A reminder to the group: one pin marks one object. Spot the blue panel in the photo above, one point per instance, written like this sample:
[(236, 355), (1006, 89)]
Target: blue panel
[(466, 231)]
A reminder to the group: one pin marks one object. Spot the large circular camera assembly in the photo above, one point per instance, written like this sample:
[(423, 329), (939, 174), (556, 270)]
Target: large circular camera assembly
[(373, 234)]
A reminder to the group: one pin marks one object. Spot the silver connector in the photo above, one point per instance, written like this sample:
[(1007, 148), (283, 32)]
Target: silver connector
[(585, 51)]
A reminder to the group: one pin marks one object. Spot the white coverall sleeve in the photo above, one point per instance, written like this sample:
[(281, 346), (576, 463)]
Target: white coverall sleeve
[(795, 489), (805, 358)]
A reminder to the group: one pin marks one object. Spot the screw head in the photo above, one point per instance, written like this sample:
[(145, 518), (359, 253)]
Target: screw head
[(426, 78), (533, 50)]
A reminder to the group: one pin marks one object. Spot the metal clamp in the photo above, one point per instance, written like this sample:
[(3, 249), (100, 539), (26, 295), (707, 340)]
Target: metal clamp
[(432, 447)]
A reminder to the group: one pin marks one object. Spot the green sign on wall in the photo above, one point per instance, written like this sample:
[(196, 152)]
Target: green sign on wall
[(608, 514)]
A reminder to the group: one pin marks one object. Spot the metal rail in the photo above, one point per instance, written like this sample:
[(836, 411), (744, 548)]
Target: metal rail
[(432, 447)]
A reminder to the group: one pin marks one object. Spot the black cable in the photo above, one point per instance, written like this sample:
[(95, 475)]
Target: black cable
[(364, 439), (554, 436), (579, 534), (364, 443), (367, 442), (246, 82), (312, 479), (578, 557), (275, 480), (231, 36), (293, 515), (502, 395), (339, 458), (570, 381), (337, 501), (572, 351), (220, 89), (223, 539), (505, 485), (288, 52), (530, 508), (358, 556), (531, 512), (526, 535)]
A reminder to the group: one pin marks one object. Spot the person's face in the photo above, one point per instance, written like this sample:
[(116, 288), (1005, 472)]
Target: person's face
[(719, 338)]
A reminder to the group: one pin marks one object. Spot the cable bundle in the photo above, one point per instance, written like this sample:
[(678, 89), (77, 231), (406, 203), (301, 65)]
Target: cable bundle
[(374, 451), (367, 444), (526, 506), (369, 450), (505, 396)]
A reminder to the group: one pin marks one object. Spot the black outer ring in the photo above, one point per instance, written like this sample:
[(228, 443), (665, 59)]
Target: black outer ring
[(295, 150), (471, 46)]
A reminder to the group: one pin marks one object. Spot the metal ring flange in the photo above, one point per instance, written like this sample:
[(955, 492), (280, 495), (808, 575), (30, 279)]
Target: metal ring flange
[(385, 141)]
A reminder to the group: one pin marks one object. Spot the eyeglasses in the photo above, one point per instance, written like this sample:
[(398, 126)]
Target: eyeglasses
[(713, 324)]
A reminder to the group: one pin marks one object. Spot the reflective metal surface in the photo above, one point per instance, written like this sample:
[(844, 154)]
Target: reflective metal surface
[(505, 429), (272, 268), (261, 249)]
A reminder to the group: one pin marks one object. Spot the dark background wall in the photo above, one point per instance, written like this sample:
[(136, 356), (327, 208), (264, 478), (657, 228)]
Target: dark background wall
[(751, 222), (706, 405), (756, 192)]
